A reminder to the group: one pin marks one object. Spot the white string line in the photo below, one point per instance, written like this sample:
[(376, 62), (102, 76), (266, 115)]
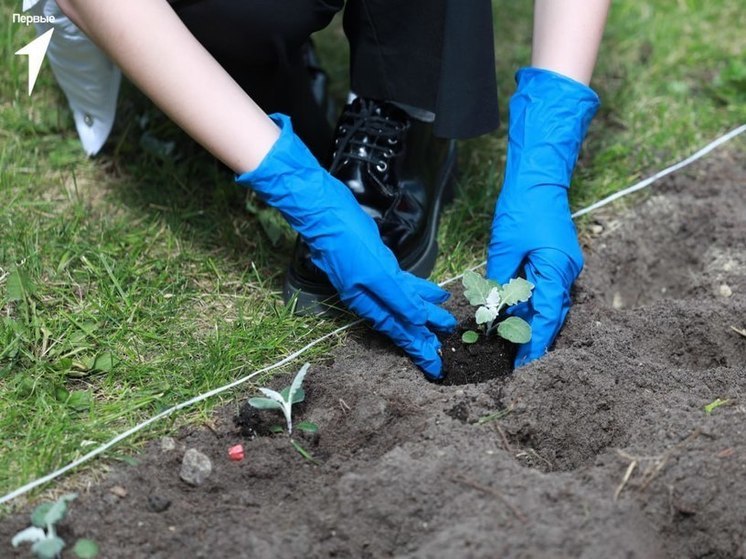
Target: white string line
[(638, 186), (85, 458), (667, 171)]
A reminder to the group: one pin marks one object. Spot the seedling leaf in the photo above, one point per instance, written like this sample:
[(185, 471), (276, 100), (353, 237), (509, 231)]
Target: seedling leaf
[(494, 297), (275, 428), (515, 329), (299, 395), (485, 315), (284, 399), (85, 549), (32, 534), (45, 543), (265, 404), (58, 510), (284, 405), (303, 452), (274, 395), (297, 381), (516, 291), (307, 426), (48, 548), (38, 517), (469, 337), (476, 288)]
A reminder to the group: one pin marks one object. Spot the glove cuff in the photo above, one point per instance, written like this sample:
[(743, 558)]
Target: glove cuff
[(560, 91), (290, 179), (549, 117), (288, 155)]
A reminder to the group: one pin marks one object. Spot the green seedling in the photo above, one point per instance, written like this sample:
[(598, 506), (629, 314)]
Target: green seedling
[(494, 416), (285, 399), (42, 533), (491, 298), (716, 403), (303, 452)]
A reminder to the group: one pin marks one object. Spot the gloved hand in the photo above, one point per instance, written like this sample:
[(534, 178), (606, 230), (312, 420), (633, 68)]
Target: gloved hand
[(532, 231), (345, 243)]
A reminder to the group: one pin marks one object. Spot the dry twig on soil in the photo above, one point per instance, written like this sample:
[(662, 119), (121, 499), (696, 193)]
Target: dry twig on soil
[(504, 439), (460, 478), (654, 464), (741, 331)]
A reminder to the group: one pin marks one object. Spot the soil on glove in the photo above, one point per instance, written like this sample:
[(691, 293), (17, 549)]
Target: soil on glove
[(601, 449)]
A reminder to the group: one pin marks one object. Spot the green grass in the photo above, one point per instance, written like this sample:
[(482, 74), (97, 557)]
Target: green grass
[(671, 76), (134, 281)]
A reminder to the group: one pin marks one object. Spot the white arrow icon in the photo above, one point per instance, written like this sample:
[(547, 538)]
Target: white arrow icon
[(35, 51)]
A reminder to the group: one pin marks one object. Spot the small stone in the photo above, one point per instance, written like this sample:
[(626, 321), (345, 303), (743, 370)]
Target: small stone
[(617, 302), (597, 229), (195, 467), (725, 290), (158, 503), (119, 491), (168, 444)]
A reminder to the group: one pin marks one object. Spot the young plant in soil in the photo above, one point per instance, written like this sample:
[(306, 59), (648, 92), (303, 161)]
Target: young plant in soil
[(469, 357), (491, 298), (284, 401), (42, 533)]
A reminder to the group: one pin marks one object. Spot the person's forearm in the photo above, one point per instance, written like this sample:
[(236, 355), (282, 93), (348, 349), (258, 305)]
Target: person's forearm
[(153, 47), (567, 34)]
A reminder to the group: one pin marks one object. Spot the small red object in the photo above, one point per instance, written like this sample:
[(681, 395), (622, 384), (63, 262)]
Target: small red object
[(236, 452)]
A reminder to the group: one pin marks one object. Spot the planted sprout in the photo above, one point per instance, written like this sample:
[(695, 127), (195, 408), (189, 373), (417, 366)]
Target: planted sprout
[(716, 403), (491, 298), (42, 533), (285, 399)]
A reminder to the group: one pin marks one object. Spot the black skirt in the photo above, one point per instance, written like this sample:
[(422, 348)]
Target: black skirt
[(435, 55)]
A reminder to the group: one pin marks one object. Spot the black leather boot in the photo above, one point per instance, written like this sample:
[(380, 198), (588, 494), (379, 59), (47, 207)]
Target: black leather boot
[(399, 172)]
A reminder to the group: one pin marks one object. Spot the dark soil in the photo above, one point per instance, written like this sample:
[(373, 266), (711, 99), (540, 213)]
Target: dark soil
[(486, 359), (600, 449)]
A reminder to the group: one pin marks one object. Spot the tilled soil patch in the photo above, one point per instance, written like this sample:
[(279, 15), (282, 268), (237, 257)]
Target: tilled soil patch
[(601, 449)]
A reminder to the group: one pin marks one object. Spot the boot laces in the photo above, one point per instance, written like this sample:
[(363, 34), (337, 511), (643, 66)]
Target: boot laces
[(366, 133)]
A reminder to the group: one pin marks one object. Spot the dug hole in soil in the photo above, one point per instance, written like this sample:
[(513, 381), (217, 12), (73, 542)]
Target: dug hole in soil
[(601, 449)]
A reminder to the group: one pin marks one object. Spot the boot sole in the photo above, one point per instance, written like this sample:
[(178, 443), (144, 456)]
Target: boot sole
[(317, 299)]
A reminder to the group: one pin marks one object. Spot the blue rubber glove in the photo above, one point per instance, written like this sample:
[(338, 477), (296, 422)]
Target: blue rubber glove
[(533, 232), (345, 243)]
